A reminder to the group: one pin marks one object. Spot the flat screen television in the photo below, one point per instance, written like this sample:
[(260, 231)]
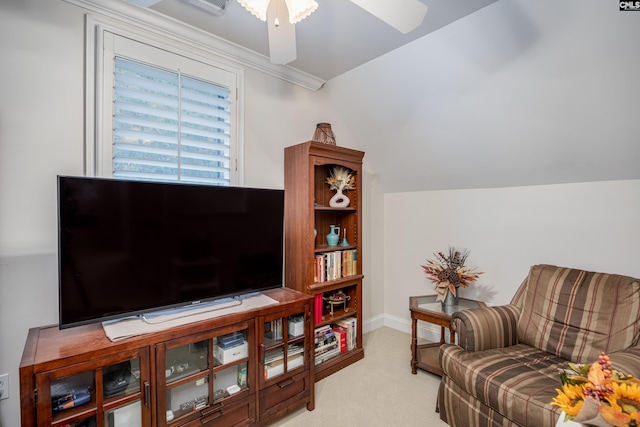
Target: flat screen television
[(131, 247)]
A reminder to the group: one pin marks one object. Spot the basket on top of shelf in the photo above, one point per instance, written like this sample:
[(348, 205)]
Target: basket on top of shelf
[(324, 134)]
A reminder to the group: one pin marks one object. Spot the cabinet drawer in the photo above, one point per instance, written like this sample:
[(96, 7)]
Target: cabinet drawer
[(285, 392), (237, 414)]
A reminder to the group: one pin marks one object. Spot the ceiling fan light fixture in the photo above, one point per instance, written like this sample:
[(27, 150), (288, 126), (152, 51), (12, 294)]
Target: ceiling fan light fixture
[(300, 9), (258, 8)]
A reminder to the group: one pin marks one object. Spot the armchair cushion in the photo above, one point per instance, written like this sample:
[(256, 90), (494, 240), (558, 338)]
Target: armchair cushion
[(517, 382), (577, 314)]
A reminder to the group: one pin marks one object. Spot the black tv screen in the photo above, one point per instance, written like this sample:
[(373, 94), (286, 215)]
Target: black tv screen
[(132, 247)]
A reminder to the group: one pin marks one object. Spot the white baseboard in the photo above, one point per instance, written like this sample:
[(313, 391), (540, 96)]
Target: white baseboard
[(426, 330), (373, 324)]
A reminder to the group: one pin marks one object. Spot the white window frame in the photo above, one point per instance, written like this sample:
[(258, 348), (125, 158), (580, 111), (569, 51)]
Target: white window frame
[(105, 37)]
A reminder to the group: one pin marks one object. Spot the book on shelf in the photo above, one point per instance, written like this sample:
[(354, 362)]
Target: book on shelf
[(335, 265), (317, 308), (294, 349), (320, 271), (274, 368), (324, 342), (327, 355), (295, 361), (349, 262), (326, 348), (350, 325), (273, 355), (322, 330), (341, 334), (325, 339), (274, 329)]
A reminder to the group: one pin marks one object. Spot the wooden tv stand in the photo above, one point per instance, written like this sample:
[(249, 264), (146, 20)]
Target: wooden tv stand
[(248, 368)]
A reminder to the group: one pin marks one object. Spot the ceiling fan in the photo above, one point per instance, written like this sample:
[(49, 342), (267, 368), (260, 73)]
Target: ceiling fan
[(282, 15)]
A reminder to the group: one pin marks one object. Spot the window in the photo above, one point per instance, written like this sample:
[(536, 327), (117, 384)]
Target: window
[(161, 113), (168, 126)]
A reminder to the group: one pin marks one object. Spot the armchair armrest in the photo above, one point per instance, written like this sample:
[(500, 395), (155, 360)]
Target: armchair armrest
[(487, 327)]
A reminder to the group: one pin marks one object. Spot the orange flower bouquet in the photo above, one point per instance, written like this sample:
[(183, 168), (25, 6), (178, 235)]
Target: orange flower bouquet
[(598, 395)]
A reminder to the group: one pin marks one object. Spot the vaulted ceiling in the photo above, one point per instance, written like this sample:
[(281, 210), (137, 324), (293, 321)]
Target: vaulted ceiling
[(336, 38), (519, 93), (504, 93)]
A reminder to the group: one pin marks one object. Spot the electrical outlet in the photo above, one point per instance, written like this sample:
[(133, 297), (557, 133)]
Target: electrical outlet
[(4, 386)]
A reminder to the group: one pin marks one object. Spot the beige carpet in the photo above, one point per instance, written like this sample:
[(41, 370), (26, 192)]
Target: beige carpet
[(379, 390)]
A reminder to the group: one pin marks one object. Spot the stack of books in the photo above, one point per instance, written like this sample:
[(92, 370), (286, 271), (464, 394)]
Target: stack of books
[(333, 340), (295, 356), (273, 363), (274, 360), (327, 344)]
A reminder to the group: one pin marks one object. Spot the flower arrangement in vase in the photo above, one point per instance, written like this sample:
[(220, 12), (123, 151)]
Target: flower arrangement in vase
[(448, 272), (340, 179), (598, 395)]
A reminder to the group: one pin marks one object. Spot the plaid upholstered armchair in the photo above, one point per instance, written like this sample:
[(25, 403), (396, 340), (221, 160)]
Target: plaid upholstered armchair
[(505, 368)]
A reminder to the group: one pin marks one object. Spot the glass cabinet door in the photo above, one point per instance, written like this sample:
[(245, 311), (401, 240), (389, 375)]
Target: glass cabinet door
[(186, 360), (71, 396), (121, 378), (119, 381), (73, 392), (231, 353), (283, 344), (124, 416), (202, 372), (186, 374)]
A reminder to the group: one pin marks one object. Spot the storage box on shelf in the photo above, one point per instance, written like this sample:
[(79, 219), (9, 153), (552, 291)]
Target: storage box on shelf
[(187, 375), (313, 265)]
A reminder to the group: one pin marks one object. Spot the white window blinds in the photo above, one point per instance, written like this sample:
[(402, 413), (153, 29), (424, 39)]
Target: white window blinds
[(168, 126)]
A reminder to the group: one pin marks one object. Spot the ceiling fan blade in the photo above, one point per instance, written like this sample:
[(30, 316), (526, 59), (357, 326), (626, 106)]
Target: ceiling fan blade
[(282, 37), (403, 15)]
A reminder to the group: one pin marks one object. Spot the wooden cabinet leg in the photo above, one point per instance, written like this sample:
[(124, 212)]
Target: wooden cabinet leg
[(414, 344)]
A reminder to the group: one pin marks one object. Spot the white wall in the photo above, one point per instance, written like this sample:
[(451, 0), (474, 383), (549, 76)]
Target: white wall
[(593, 226)]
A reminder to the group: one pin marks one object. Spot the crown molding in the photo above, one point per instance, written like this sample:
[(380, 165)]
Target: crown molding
[(159, 24)]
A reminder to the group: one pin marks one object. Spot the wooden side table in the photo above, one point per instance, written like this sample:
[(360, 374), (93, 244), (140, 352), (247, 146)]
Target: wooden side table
[(427, 309)]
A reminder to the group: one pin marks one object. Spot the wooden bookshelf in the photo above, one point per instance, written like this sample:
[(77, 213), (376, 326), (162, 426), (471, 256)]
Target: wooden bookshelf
[(307, 166)]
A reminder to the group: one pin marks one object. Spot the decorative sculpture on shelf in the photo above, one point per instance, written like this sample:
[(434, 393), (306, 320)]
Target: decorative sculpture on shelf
[(340, 179), (337, 298), (333, 236)]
